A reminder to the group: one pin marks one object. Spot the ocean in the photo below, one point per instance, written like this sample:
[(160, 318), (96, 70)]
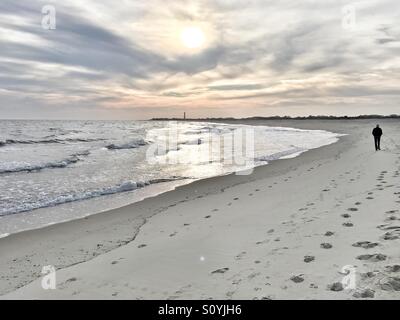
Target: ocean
[(54, 171)]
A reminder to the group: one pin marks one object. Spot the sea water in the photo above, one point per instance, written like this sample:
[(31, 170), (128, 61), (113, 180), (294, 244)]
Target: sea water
[(53, 171)]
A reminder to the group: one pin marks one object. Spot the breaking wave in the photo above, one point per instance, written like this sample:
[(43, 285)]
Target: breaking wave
[(66, 198), (13, 167), (45, 141), (129, 145)]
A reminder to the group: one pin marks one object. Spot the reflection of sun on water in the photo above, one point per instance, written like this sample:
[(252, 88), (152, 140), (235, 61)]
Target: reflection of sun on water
[(192, 37)]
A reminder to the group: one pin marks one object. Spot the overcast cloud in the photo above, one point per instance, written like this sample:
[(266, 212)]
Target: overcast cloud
[(125, 60)]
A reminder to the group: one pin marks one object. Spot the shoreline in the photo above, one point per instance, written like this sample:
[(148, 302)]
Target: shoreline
[(85, 212), (92, 206), (84, 241)]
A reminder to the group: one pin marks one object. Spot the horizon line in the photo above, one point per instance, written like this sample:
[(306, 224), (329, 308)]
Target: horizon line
[(286, 117)]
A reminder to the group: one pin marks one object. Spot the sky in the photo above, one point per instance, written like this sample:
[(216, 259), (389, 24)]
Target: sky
[(135, 59)]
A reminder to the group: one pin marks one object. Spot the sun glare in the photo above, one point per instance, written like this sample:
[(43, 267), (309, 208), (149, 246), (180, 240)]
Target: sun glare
[(192, 37)]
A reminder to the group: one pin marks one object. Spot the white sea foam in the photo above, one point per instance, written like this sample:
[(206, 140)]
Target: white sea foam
[(66, 198), (128, 145)]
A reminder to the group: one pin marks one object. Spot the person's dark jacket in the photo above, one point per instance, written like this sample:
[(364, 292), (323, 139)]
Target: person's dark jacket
[(377, 132)]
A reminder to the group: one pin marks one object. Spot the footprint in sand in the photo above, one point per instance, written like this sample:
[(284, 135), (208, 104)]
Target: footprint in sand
[(357, 203), (346, 215), (390, 284), (366, 293), (348, 224), (142, 245), (220, 271), (393, 268), (382, 226), (235, 199), (326, 246), (329, 234), (240, 255), (372, 257), (388, 227), (392, 235), (297, 279), (369, 198), (215, 210), (173, 234), (365, 244), (308, 259), (207, 217), (352, 209), (253, 275), (337, 286)]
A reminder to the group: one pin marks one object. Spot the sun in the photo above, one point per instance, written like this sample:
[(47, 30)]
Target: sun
[(192, 37)]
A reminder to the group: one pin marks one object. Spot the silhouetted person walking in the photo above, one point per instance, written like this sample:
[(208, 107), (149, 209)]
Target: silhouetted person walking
[(377, 133)]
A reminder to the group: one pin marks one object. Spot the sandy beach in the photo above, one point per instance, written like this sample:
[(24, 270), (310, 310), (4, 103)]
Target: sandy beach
[(290, 230)]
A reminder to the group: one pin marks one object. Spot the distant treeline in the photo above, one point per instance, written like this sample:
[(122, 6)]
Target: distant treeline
[(371, 116)]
